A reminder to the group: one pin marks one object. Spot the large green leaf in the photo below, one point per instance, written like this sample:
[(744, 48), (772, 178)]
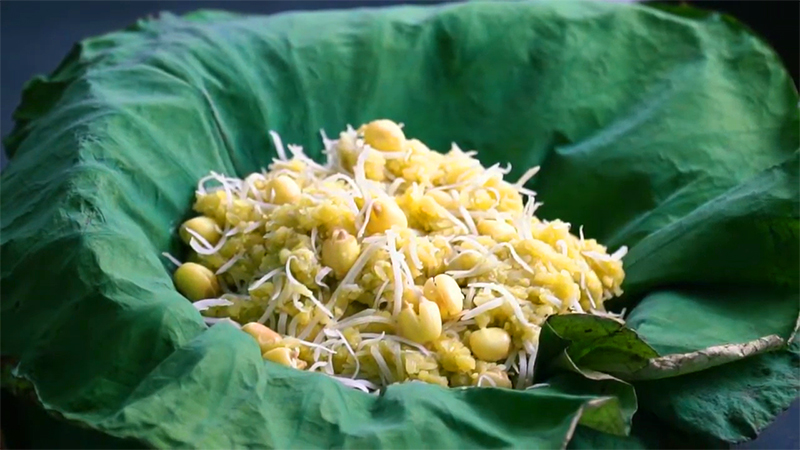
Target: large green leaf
[(675, 134)]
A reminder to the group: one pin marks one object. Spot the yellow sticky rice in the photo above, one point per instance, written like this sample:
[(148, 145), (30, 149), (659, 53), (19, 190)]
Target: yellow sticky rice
[(461, 219)]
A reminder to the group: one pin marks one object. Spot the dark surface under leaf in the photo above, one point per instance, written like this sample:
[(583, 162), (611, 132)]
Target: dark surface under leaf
[(675, 133)]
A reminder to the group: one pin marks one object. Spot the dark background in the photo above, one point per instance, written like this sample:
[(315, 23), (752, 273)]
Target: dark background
[(35, 36)]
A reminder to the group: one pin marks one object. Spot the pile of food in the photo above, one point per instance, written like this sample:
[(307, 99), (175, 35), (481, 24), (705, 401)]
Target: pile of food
[(391, 262)]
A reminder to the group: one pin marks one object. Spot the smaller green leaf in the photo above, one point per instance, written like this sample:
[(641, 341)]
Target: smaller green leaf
[(601, 343), (615, 404), (613, 408)]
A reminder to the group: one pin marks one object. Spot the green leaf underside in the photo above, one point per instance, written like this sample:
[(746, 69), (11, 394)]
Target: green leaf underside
[(674, 135), (686, 320)]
